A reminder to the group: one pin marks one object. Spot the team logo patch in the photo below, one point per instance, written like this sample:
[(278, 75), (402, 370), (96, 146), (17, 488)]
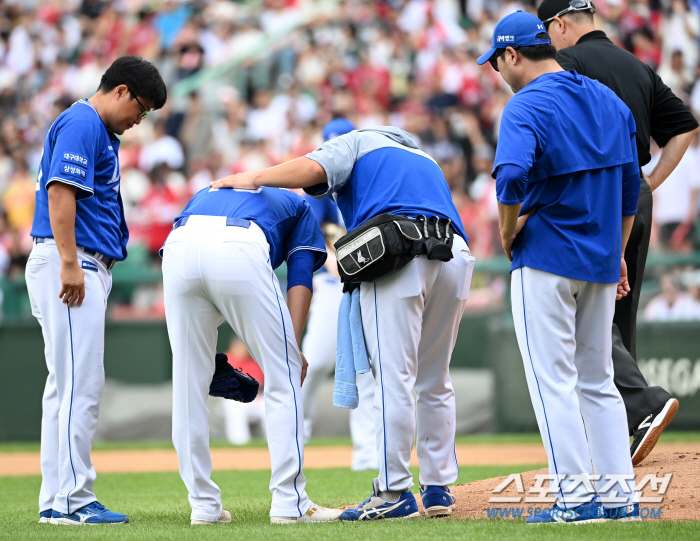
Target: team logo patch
[(74, 170), (89, 265), (75, 158), (505, 38)]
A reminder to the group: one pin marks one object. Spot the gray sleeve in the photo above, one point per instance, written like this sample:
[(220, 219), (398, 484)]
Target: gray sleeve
[(337, 157)]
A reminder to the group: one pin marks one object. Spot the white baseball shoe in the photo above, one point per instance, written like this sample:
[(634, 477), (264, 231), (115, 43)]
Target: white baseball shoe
[(315, 513), (225, 517)]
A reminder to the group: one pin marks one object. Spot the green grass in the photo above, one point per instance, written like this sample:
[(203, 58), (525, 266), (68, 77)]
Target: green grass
[(158, 508), (527, 437)]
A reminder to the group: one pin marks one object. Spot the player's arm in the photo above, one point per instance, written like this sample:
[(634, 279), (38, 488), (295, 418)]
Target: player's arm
[(671, 156), (71, 177), (300, 269), (673, 127), (62, 208), (320, 172), (511, 183), (630, 195), (298, 173)]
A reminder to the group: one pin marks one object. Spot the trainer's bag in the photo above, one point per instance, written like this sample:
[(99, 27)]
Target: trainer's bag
[(386, 243), (231, 383)]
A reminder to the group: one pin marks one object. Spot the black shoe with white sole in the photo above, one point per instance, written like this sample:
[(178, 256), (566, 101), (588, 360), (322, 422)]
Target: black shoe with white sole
[(647, 433)]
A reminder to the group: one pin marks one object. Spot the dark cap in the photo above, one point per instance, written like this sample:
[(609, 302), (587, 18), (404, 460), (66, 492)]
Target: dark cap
[(551, 8)]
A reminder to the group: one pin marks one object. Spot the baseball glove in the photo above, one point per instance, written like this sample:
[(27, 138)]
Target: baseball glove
[(231, 383)]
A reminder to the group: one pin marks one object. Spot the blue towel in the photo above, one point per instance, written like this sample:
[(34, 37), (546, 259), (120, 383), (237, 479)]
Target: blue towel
[(351, 356)]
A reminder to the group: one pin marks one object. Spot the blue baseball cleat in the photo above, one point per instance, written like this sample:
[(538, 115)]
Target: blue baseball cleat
[(94, 513), (628, 513), (376, 508), (45, 516), (583, 514), (437, 501)]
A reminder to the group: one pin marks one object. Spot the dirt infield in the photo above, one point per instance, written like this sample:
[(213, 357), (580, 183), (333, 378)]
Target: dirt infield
[(681, 501), (163, 460)]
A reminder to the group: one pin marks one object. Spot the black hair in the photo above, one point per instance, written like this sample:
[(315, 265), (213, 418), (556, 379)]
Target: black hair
[(536, 53), (139, 75), (580, 16)]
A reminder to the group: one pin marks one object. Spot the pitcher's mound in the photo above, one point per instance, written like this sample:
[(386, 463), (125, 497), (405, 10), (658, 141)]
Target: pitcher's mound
[(680, 502)]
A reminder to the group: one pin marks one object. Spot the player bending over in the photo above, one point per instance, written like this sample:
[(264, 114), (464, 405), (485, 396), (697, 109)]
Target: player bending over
[(218, 265)]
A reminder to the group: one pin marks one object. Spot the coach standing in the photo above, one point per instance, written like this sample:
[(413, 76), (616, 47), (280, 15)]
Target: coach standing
[(566, 158), (658, 113), (79, 233)]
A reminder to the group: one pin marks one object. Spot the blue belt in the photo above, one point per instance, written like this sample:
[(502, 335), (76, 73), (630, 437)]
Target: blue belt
[(106, 261), (230, 221)]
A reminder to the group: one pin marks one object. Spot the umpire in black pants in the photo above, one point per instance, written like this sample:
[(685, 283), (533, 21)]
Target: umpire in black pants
[(658, 114)]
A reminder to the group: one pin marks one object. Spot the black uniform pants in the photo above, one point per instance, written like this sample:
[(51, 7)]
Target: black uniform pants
[(640, 399)]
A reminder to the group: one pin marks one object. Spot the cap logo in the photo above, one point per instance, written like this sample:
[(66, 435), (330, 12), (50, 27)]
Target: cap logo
[(540, 27), (505, 39)]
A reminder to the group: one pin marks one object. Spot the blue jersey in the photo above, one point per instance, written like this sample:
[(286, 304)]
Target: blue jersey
[(287, 220), (378, 170), (576, 140), (325, 210), (79, 150)]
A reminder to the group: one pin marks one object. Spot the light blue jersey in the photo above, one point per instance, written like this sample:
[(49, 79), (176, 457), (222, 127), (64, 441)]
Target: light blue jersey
[(287, 220), (378, 170), (80, 151)]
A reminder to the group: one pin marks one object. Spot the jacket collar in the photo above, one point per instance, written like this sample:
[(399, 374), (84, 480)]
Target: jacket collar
[(596, 34)]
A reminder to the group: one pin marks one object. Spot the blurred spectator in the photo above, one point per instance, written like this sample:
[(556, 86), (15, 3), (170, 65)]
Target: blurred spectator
[(252, 82), (676, 76), (676, 200), (672, 304), (165, 198), (164, 149)]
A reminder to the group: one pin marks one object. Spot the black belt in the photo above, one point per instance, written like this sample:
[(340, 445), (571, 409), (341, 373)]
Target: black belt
[(230, 221), (106, 261)]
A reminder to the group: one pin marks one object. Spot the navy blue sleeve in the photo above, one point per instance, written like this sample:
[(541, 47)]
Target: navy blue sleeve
[(300, 269), (306, 235), (73, 158), (511, 184), (324, 209)]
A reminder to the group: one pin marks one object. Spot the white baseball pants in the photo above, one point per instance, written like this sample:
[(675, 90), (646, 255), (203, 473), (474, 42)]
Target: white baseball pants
[(211, 273), (410, 321), (563, 330), (74, 350), (319, 347)]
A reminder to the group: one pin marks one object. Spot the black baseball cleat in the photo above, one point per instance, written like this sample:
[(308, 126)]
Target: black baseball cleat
[(647, 433)]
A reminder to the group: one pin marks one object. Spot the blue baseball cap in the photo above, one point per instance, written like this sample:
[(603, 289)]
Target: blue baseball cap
[(336, 127), (515, 30)]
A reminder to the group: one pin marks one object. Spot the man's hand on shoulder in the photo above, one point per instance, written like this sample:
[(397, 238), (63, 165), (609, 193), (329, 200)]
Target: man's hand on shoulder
[(242, 181)]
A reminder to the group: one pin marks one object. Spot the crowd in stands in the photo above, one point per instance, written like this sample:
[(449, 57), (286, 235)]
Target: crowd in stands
[(252, 83)]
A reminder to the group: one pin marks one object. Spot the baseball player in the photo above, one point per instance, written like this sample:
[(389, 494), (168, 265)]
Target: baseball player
[(660, 115), (567, 163), (320, 340), (218, 265), (79, 233), (410, 318)]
